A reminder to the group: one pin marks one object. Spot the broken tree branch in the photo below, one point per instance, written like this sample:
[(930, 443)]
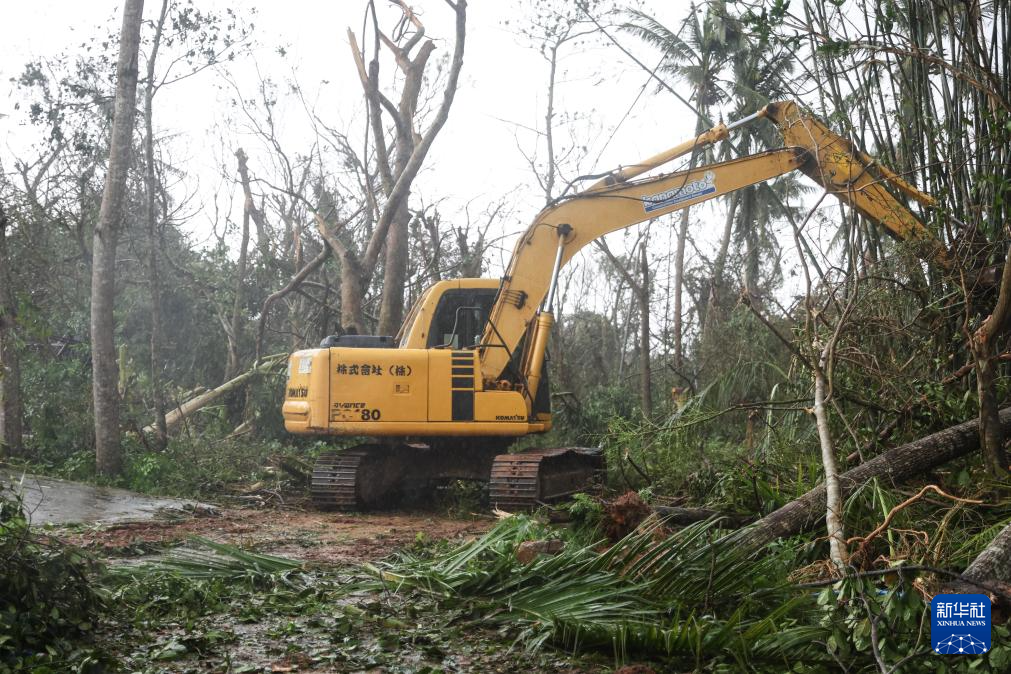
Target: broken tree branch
[(865, 540), (293, 284), (182, 411)]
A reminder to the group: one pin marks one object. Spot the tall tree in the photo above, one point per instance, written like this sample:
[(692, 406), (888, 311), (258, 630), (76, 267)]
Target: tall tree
[(398, 169), (697, 58), (11, 412), (234, 325), (151, 216), (104, 367)]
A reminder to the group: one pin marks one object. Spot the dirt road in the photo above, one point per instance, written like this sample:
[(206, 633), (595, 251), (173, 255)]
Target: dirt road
[(290, 532), (117, 519)]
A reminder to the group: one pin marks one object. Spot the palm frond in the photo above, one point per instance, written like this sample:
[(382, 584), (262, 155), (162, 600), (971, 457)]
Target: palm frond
[(652, 591), (214, 561)]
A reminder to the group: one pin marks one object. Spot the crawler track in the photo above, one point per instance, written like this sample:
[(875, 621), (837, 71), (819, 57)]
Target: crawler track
[(532, 478), (373, 476), (335, 478)]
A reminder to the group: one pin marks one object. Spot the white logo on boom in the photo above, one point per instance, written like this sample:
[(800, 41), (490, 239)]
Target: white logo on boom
[(690, 190)]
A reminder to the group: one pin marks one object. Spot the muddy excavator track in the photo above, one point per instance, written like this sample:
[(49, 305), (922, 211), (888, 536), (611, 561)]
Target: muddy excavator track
[(376, 476), (536, 477), (335, 477)]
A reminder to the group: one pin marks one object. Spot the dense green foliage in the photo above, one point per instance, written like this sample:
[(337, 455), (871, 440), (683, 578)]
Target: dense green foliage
[(683, 599), (49, 605)]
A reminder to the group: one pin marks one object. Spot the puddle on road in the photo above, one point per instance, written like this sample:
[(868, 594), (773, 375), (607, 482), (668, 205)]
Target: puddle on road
[(52, 501)]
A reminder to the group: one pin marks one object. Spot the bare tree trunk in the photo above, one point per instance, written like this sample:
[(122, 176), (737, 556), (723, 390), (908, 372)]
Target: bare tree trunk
[(352, 285), (549, 127), (642, 295), (105, 370), (679, 256), (719, 266), (679, 275), (352, 293), (750, 225), (391, 308), (833, 494), (235, 324), (154, 278), (991, 434), (982, 345), (11, 408)]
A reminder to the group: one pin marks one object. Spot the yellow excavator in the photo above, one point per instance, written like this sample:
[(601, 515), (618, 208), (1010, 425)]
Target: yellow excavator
[(466, 376)]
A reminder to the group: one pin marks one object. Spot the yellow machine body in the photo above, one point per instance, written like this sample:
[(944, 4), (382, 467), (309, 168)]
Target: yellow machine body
[(404, 392)]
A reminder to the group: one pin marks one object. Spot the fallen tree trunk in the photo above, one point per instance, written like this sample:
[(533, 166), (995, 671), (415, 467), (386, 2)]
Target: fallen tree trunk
[(174, 417), (989, 573), (994, 563), (894, 466), (685, 516)]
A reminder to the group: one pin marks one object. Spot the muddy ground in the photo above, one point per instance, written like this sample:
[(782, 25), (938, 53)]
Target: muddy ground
[(323, 627), (313, 631), (293, 531)]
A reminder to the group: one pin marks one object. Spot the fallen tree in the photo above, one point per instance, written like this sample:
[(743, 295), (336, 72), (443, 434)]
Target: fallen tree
[(989, 573), (894, 466), (176, 416), (682, 517), (994, 563)]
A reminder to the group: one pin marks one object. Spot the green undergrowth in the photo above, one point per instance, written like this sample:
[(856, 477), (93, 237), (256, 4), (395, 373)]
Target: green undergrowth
[(690, 600), (208, 607), (212, 607), (48, 600), (202, 468), (685, 600)]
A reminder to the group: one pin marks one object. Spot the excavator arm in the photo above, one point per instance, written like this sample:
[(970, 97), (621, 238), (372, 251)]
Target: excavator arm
[(617, 202)]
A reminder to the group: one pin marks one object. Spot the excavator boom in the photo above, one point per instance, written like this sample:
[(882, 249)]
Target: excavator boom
[(617, 202)]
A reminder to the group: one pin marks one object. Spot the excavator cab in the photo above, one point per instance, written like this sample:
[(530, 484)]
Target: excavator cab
[(450, 314)]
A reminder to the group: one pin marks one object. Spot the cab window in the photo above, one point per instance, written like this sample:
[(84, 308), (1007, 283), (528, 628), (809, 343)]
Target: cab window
[(460, 318)]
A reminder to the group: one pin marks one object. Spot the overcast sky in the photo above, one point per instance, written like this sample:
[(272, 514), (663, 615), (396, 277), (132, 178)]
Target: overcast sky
[(475, 161)]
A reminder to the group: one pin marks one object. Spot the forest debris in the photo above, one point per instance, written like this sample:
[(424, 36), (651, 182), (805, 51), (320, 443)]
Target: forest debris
[(299, 469), (174, 417), (624, 514), (865, 540), (529, 550), (635, 669), (894, 466), (244, 428)]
